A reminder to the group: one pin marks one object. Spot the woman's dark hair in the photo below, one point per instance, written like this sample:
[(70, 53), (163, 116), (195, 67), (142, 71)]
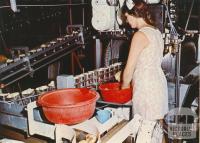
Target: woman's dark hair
[(140, 9)]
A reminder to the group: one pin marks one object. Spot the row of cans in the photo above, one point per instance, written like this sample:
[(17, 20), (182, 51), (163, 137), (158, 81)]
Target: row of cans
[(26, 96), (94, 78)]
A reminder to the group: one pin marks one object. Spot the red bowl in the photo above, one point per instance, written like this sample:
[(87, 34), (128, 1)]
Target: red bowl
[(68, 106), (111, 92)]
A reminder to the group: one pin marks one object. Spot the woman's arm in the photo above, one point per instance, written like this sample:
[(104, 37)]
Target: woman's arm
[(138, 43)]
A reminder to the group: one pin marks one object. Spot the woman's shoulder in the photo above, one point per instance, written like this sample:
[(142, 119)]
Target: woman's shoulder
[(139, 35), (141, 38), (144, 33), (150, 30)]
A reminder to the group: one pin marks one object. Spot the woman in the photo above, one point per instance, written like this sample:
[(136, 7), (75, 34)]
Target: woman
[(143, 67)]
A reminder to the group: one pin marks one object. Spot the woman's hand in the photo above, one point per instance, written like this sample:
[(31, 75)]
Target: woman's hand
[(125, 86), (118, 76)]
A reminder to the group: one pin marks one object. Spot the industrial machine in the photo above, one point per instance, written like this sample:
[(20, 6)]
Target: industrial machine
[(22, 112), (34, 59), (12, 109)]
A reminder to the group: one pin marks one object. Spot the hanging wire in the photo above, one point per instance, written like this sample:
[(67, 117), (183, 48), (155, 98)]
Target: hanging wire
[(189, 15), (43, 5), (172, 28), (6, 6)]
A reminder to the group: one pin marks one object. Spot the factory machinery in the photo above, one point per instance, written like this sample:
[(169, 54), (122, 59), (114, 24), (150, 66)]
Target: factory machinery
[(28, 62), (12, 105), (20, 110)]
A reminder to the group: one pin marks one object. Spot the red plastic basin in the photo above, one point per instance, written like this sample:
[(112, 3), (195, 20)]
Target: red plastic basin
[(111, 92), (68, 106)]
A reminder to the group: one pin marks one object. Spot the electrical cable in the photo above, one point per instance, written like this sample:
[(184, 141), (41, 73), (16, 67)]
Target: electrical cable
[(5, 6), (41, 5)]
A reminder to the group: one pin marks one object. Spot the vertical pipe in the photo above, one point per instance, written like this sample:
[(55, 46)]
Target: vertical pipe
[(70, 12), (72, 63), (198, 49), (98, 53), (83, 13), (111, 51), (177, 73), (177, 45), (70, 23)]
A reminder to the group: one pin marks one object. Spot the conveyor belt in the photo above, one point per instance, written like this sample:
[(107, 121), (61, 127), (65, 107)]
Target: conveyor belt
[(43, 56)]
